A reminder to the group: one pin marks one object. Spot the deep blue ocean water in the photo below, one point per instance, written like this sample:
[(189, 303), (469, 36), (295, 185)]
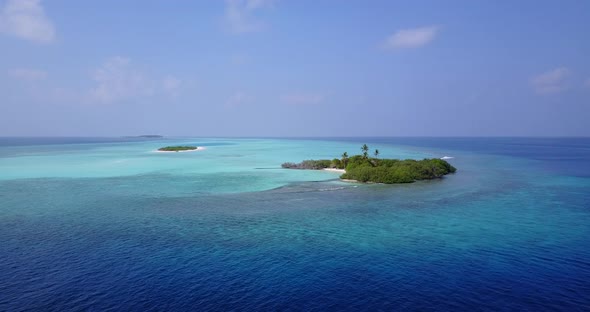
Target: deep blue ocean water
[(99, 224)]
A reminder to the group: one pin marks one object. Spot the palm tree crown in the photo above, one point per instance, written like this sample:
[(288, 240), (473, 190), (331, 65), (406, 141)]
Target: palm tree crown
[(344, 159), (365, 150)]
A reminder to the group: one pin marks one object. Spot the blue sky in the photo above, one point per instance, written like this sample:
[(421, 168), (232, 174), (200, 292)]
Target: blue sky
[(294, 68)]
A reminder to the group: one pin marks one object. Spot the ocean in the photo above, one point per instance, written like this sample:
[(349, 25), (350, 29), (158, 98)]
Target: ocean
[(107, 224)]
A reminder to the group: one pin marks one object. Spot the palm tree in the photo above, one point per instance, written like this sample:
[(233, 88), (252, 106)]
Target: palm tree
[(365, 150), (344, 159), (376, 153)]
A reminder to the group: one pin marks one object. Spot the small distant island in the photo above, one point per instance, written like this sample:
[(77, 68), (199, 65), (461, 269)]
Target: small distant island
[(363, 168), (178, 148), (145, 136), (151, 136)]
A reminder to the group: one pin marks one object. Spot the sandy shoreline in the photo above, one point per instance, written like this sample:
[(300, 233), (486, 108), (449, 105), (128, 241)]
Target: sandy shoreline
[(199, 148), (335, 170)]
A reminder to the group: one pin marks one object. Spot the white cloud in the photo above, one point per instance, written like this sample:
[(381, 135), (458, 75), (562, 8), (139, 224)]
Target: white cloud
[(239, 15), (117, 80), (28, 74), (237, 99), (302, 99), (171, 85), (26, 19), (553, 81), (411, 38)]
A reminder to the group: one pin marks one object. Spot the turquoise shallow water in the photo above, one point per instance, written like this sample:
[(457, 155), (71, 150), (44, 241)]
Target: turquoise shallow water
[(113, 225), (225, 166)]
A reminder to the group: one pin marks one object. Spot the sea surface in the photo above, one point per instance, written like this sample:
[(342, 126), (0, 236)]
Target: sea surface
[(107, 224)]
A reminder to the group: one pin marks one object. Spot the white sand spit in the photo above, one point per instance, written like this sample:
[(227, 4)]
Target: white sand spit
[(335, 170)]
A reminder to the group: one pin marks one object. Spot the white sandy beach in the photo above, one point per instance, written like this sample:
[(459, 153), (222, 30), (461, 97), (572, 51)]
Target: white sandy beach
[(199, 148), (335, 170)]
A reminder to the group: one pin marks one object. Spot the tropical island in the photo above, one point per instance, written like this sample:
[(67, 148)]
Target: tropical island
[(150, 136), (363, 168), (178, 148), (145, 136)]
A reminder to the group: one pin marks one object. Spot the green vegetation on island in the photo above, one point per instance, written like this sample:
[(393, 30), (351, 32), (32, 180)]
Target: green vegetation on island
[(177, 148), (312, 164), (394, 170), (363, 168)]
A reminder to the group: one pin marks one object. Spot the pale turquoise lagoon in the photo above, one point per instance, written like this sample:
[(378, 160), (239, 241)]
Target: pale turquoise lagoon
[(227, 165)]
